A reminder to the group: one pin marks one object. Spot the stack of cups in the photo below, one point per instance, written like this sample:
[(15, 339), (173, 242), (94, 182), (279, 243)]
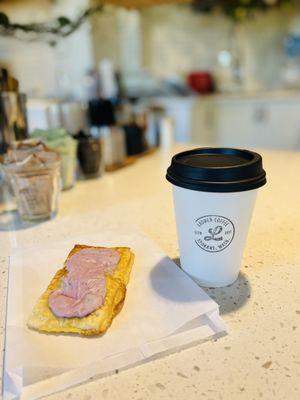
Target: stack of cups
[(214, 195)]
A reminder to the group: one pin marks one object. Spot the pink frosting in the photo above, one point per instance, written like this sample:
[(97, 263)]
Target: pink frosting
[(83, 289)]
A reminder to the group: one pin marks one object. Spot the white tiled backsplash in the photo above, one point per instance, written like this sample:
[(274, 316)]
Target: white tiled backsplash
[(177, 40), (169, 40)]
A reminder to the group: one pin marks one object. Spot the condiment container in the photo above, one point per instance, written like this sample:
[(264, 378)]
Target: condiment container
[(74, 117), (59, 140), (134, 120), (114, 148), (33, 171), (89, 154), (102, 117)]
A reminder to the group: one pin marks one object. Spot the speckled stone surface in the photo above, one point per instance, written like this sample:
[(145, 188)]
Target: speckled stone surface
[(260, 357)]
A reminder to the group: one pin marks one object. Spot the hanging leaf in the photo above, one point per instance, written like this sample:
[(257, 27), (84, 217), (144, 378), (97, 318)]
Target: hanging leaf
[(51, 31), (4, 20), (204, 6), (63, 21)]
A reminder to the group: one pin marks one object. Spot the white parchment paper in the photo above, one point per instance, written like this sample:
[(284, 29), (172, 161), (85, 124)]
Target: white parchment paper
[(164, 310)]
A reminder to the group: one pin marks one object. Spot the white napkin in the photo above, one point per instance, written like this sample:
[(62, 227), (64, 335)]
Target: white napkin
[(164, 310)]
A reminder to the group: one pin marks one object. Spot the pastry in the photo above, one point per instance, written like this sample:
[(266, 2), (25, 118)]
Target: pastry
[(86, 294)]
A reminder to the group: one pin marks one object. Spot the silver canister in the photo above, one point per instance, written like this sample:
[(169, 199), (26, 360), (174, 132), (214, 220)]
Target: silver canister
[(74, 117), (114, 146), (13, 119)]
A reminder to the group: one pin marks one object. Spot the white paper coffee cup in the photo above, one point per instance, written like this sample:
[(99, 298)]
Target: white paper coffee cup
[(214, 196)]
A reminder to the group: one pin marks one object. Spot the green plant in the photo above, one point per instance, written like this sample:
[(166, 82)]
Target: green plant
[(50, 31), (239, 9)]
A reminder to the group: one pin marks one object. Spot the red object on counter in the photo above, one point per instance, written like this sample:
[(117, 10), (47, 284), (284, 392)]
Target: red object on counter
[(201, 81)]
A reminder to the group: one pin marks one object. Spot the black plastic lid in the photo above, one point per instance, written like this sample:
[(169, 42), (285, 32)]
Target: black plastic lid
[(101, 112), (217, 170)]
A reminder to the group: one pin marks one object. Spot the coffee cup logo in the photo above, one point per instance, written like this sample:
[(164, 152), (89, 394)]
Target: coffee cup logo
[(214, 233)]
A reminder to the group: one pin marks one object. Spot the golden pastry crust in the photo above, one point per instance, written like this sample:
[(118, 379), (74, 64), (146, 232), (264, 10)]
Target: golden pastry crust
[(96, 323)]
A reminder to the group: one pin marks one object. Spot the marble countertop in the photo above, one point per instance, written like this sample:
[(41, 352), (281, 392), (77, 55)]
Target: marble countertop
[(260, 356)]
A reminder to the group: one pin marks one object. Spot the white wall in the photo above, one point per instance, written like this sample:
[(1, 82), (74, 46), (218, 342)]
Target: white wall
[(177, 40), (105, 36), (117, 35), (73, 55)]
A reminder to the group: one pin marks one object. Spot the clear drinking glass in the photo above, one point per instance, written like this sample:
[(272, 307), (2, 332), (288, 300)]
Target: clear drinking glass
[(36, 191)]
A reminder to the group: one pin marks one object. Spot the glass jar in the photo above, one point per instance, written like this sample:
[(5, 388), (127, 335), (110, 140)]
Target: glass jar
[(36, 191)]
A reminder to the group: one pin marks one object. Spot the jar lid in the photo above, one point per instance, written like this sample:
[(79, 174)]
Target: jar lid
[(217, 170)]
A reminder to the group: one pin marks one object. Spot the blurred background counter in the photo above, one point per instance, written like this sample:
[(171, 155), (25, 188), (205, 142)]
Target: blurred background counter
[(129, 81)]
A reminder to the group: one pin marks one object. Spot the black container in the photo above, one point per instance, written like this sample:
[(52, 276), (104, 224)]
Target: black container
[(134, 139), (101, 113), (89, 155)]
